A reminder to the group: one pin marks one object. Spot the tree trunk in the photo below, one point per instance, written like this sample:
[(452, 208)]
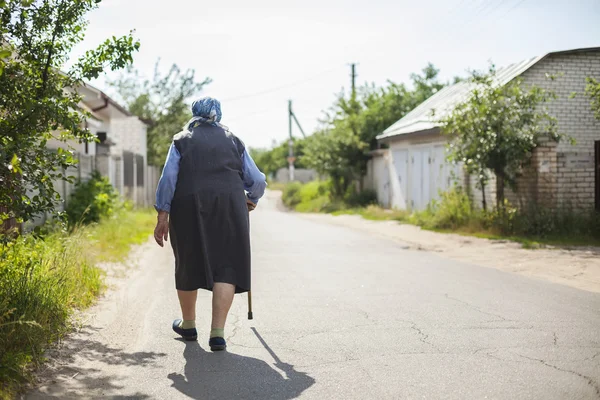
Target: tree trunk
[(500, 190), (483, 199)]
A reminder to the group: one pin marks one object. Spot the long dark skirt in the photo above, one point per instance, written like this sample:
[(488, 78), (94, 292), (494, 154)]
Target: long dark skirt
[(211, 240)]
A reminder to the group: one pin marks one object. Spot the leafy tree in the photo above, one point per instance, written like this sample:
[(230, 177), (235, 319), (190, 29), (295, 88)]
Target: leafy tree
[(498, 128), (162, 102), (270, 161), (351, 126), (335, 153), (38, 101), (593, 91)]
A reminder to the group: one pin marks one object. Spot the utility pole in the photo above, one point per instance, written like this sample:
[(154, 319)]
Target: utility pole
[(291, 157), (353, 66), (353, 79), (290, 143)]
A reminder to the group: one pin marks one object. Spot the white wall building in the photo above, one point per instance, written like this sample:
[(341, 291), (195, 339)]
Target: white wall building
[(120, 153), (413, 171)]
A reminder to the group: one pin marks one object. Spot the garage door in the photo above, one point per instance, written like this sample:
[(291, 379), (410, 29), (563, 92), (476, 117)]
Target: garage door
[(400, 187), (416, 178)]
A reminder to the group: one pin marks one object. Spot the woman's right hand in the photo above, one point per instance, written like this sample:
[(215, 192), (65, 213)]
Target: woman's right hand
[(161, 232), (250, 204)]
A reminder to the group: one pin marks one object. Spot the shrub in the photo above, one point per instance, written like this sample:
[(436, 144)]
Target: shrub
[(316, 196), (452, 211), (92, 200), (363, 198), (313, 196), (291, 194), (313, 190), (541, 222)]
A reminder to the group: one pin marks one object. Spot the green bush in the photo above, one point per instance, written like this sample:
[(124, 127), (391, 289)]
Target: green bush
[(452, 211), (314, 190), (92, 200), (363, 198), (541, 222), (291, 194), (310, 197), (316, 196)]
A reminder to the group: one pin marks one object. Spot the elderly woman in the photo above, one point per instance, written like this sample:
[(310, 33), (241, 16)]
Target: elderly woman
[(208, 185)]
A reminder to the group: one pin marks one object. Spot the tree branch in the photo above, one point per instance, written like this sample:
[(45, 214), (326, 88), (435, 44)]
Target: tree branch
[(51, 51)]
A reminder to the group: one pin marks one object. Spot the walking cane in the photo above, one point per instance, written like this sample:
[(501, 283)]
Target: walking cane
[(249, 304), (250, 316)]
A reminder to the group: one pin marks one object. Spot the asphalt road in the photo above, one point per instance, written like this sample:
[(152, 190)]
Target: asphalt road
[(339, 314)]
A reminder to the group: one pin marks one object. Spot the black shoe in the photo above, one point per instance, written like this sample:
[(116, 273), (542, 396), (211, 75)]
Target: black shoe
[(186, 334), (217, 343)]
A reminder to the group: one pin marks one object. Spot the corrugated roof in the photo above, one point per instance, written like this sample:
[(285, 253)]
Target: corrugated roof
[(426, 115), (444, 101)]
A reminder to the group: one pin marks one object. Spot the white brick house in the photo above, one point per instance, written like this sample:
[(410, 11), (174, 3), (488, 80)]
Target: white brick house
[(413, 170), (120, 154)]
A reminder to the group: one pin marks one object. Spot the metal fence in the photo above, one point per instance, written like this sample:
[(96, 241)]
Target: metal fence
[(138, 187)]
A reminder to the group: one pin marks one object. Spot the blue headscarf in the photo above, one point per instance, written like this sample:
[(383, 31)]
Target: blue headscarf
[(206, 111)]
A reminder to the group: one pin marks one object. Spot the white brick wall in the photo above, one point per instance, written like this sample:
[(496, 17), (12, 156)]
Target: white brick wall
[(129, 134), (570, 179), (559, 175)]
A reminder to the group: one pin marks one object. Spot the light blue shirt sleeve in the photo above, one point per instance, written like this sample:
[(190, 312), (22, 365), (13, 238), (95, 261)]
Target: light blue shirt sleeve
[(168, 180), (255, 181)]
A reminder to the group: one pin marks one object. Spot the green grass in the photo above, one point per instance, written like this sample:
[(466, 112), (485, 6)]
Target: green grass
[(376, 213), (43, 280), (276, 186), (111, 240), (532, 242)]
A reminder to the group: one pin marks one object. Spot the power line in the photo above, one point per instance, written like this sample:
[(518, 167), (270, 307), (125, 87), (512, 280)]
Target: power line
[(517, 5), (484, 15), (275, 89), (514, 7), (458, 7), (491, 10), (481, 12)]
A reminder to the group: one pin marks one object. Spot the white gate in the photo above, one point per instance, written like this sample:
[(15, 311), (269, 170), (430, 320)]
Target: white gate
[(416, 179), (400, 186)]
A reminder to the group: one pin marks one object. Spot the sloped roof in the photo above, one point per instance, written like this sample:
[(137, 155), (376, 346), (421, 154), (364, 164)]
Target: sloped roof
[(426, 115)]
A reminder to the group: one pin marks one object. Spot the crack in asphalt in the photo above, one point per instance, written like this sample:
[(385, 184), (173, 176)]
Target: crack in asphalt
[(590, 381), (236, 327), (473, 307), (422, 335), (483, 328)]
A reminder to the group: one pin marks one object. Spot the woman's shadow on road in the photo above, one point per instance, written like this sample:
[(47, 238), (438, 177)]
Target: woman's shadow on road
[(225, 375)]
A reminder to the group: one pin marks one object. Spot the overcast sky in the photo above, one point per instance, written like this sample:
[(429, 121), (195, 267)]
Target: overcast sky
[(261, 53)]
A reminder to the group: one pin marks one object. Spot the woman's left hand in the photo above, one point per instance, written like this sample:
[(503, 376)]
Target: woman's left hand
[(161, 232)]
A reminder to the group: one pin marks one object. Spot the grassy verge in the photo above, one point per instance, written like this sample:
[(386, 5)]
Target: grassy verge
[(276, 186), (376, 213), (112, 239), (454, 213), (43, 280), (529, 242)]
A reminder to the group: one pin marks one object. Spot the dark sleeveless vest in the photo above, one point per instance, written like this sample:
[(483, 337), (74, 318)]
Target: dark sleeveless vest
[(211, 160)]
